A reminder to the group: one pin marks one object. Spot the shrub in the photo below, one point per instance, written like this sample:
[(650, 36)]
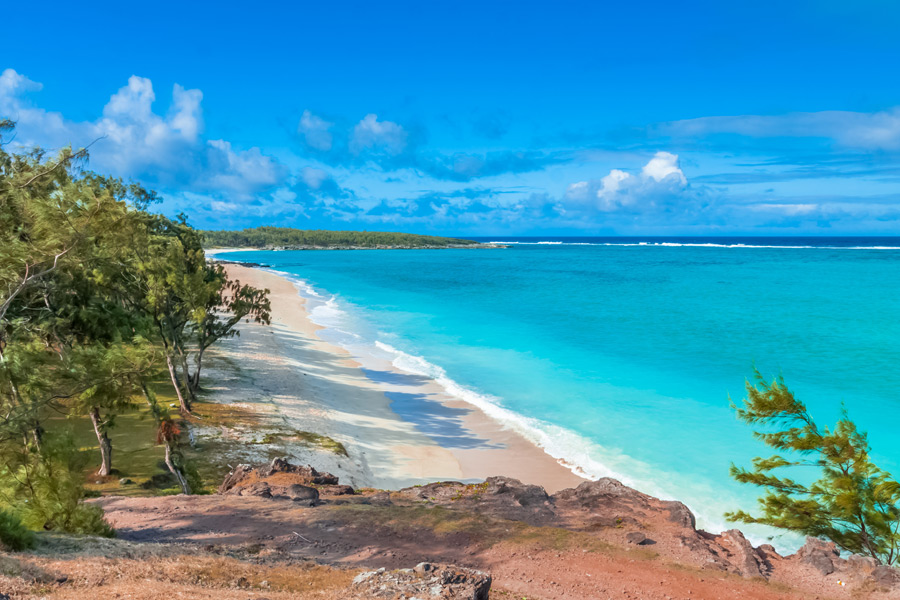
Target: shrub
[(47, 489), (13, 534)]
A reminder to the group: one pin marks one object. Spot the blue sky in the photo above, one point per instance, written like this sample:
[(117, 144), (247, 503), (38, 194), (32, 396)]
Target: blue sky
[(478, 118)]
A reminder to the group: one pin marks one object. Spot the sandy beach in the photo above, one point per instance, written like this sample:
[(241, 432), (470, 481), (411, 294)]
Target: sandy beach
[(303, 383)]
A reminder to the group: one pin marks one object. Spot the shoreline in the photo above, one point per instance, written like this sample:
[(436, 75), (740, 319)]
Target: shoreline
[(399, 429)]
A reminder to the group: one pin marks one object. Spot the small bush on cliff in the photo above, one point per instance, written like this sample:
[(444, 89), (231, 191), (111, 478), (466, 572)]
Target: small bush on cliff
[(853, 503), (14, 535)]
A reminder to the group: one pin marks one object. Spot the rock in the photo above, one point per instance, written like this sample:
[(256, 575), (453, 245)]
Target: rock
[(302, 494), (885, 576), (281, 465), (680, 514), (863, 566), (238, 474), (279, 473), (638, 538), (438, 492), (615, 499), (336, 490), (742, 555), (260, 490), (425, 581), (524, 494), (497, 497), (818, 554)]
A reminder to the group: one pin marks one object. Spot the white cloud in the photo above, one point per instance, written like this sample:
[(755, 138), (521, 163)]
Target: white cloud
[(378, 136), (315, 131), (662, 166), (659, 182), (871, 131), (132, 141)]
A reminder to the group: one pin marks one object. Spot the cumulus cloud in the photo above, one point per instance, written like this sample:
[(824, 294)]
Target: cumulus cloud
[(867, 131), (660, 184), (131, 140)]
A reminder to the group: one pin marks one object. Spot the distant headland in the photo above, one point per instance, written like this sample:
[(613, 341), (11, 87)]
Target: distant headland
[(286, 238)]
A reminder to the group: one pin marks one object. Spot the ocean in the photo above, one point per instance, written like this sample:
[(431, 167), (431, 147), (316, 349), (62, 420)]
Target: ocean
[(619, 355)]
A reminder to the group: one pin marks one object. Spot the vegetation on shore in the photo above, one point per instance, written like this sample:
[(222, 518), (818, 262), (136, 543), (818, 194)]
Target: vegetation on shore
[(100, 300), (854, 503), (285, 237)]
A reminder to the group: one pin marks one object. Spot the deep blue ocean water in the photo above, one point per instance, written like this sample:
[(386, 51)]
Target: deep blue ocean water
[(618, 355)]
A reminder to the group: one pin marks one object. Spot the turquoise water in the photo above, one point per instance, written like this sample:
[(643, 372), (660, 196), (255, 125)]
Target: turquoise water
[(620, 359)]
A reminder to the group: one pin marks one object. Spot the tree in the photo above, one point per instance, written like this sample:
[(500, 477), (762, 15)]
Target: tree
[(230, 303), (110, 376), (853, 503), (167, 434)]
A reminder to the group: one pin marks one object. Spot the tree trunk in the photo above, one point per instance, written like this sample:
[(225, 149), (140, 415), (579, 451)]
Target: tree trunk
[(187, 378), (195, 380), (185, 407), (185, 488), (105, 444)]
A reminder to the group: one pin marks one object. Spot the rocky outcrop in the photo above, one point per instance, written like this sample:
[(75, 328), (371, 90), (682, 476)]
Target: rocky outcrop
[(740, 553), (605, 508), (425, 581), (281, 479), (818, 554), (611, 497), (502, 497)]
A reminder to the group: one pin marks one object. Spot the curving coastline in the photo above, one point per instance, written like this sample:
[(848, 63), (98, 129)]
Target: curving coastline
[(399, 428)]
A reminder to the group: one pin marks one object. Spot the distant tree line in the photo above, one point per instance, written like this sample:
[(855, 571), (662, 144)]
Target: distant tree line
[(100, 299), (280, 237)]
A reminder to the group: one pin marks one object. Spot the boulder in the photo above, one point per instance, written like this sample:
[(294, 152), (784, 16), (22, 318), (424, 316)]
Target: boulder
[(260, 490), (522, 493), (237, 475), (747, 560), (819, 554), (425, 581), (336, 490), (638, 538), (302, 494)]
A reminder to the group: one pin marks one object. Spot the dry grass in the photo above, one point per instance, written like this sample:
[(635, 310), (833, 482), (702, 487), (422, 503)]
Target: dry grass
[(480, 529), (63, 569)]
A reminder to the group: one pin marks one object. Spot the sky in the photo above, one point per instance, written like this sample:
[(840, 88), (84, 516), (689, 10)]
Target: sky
[(477, 118)]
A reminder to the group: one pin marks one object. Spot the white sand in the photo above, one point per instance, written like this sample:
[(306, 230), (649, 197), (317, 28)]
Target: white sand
[(303, 383)]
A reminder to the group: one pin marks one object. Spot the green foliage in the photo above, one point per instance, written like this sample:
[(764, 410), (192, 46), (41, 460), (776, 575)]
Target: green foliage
[(853, 503), (264, 237), (98, 297), (13, 534), (46, 488)]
